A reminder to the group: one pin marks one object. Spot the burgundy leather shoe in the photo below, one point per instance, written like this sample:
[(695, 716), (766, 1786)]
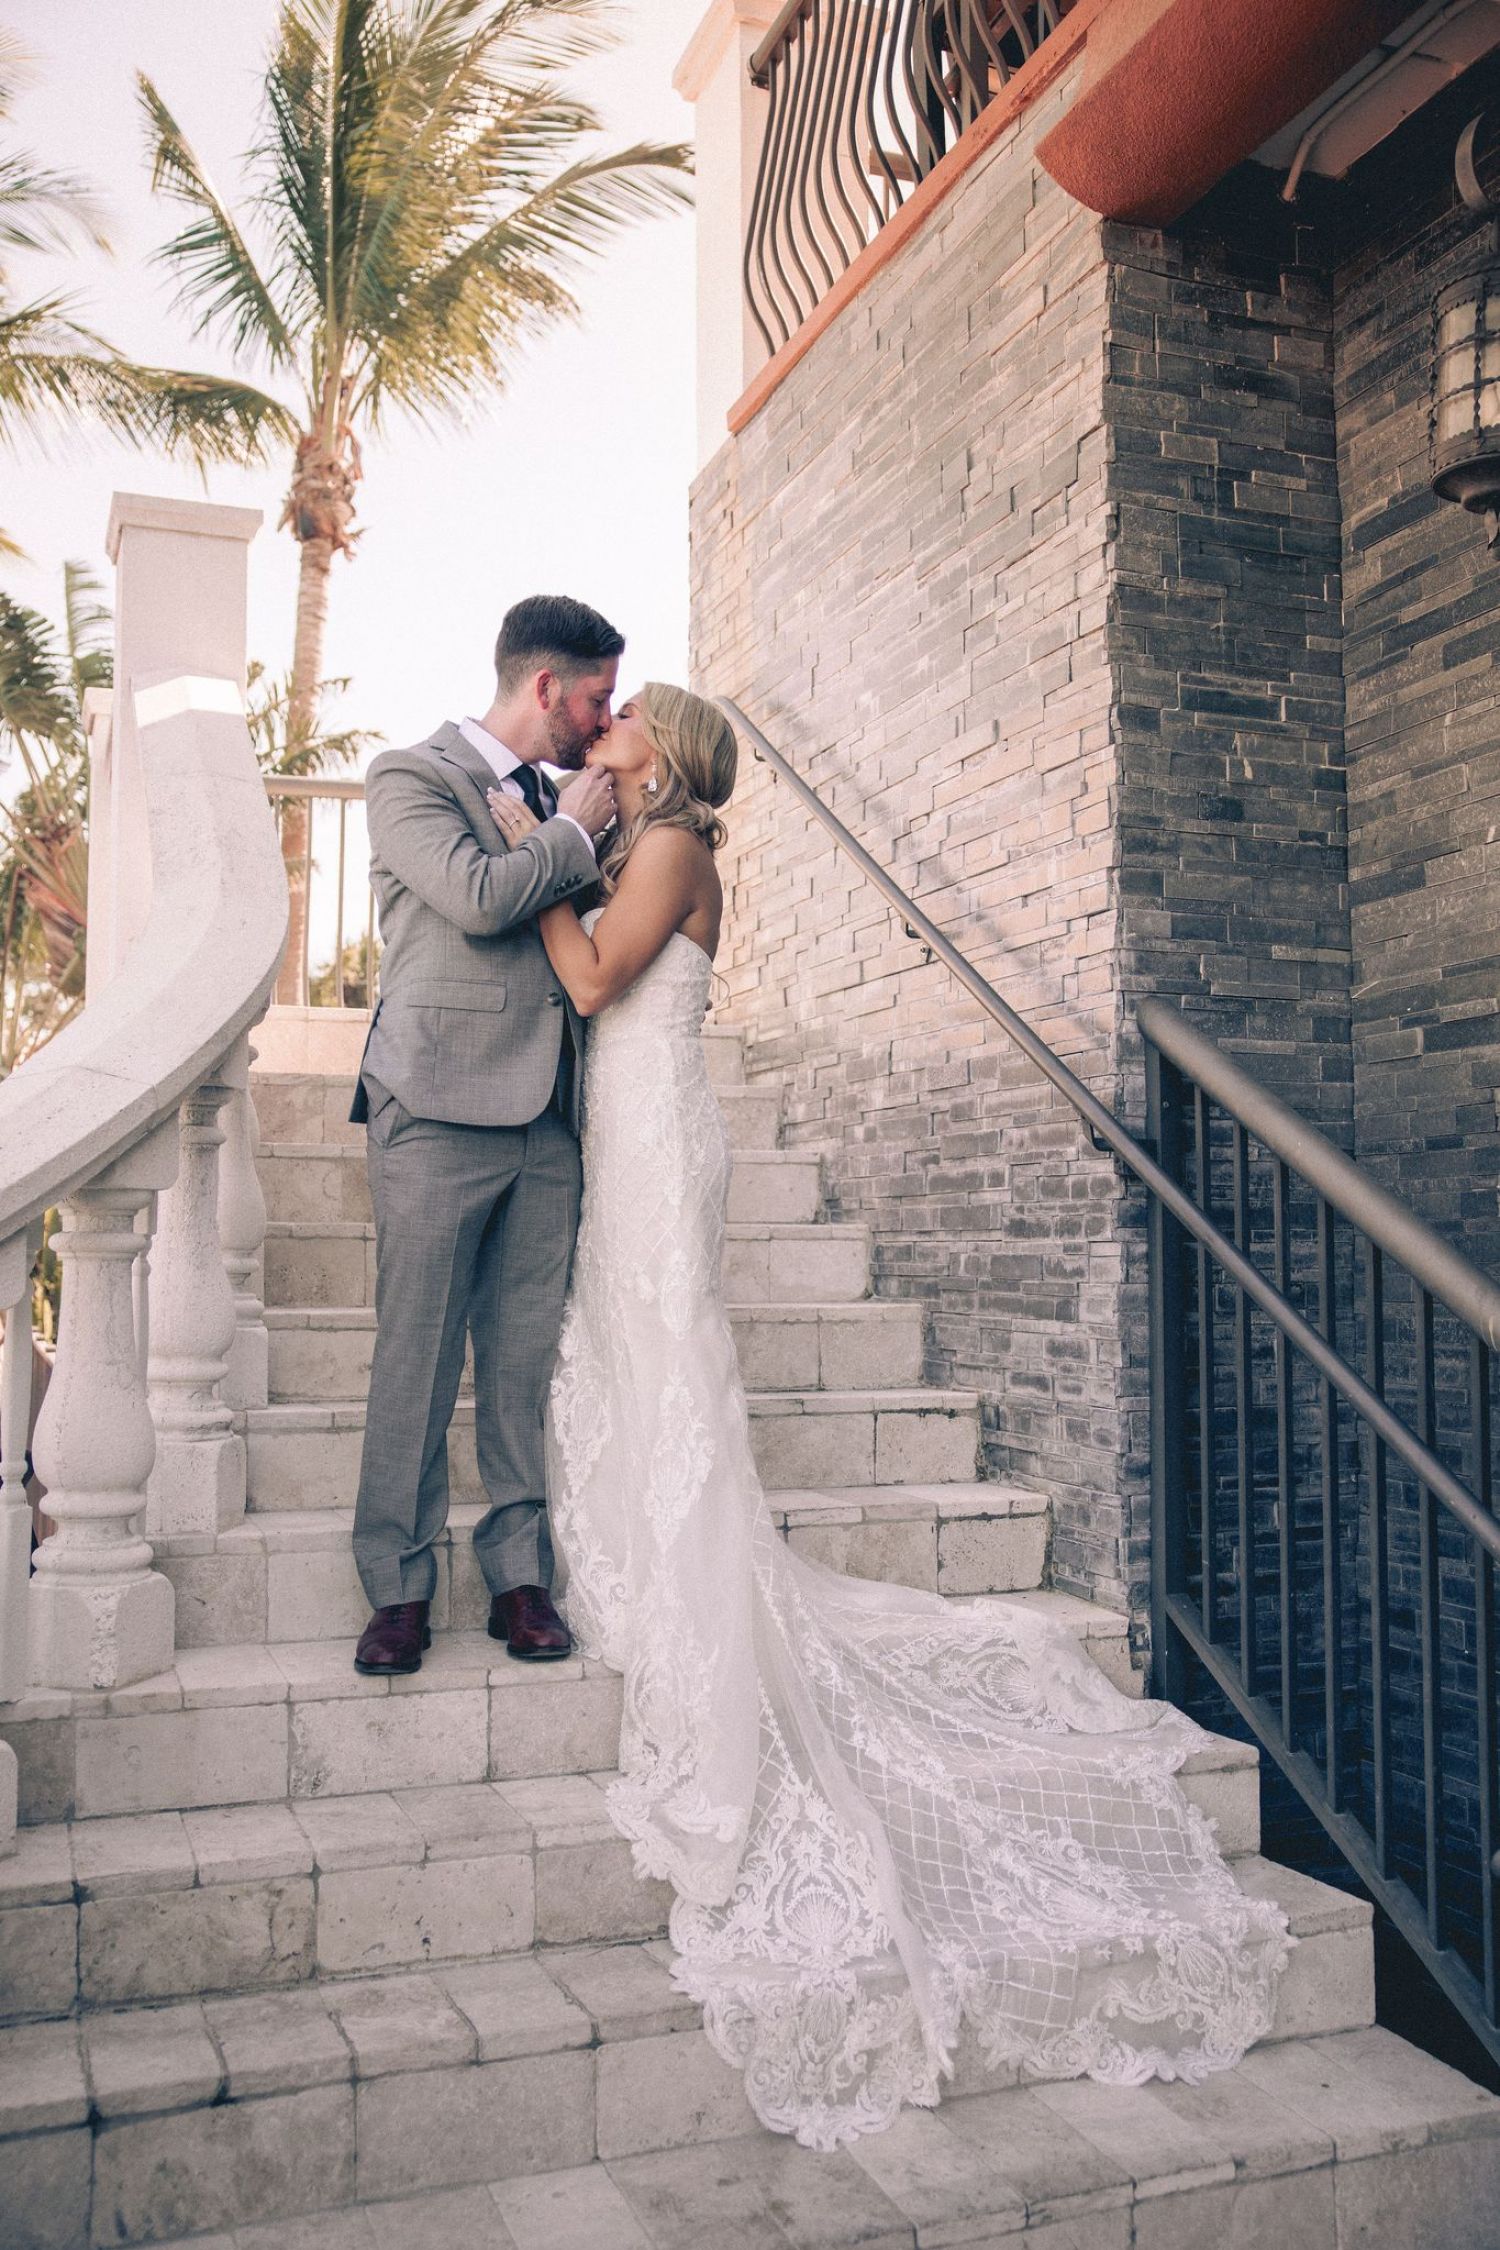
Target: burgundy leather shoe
[(394, 1639), (528, 1624)]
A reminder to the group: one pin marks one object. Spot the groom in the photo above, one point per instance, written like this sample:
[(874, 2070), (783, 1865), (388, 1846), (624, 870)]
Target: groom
[(469, 1090)]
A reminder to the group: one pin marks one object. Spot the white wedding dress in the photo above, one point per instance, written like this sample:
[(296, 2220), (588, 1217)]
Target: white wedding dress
[(884, 1813)]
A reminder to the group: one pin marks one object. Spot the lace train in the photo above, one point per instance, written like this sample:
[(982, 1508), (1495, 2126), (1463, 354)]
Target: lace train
[(885, 1815)]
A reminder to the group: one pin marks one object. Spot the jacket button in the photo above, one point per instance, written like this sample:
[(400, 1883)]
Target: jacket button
[(554, 999)]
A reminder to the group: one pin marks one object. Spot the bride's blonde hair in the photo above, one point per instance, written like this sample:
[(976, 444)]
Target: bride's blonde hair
[(696, 761)]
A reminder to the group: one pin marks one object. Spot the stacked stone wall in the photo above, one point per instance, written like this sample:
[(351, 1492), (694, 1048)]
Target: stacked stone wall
[(1422, 667), (1225, 642), (901, 569), (1073, 565), (1422, 674)]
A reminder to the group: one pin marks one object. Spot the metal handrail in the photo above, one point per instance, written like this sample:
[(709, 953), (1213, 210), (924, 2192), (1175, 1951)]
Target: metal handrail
[(1186, 1071), (1431, 1261), (314, 785), (770, 46), (1107, 1129)]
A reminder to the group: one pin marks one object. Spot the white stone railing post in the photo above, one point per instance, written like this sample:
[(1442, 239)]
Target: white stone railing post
[(197, 1482), (100, 1616), (242, 1233), (729, 126), (15, 1508), (15, 1436)]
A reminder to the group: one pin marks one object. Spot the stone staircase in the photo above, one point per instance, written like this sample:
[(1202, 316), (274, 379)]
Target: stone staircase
[(281, 1941)]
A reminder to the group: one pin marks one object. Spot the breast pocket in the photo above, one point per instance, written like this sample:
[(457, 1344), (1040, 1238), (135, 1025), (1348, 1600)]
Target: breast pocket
[(452, 992)]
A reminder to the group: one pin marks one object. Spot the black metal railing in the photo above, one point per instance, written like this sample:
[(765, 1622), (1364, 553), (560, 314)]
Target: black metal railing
[(866, 97), (1323, 1534), (1323, 1537)]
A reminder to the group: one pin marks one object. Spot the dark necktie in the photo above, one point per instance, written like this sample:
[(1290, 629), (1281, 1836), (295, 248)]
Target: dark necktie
[(533, 788)]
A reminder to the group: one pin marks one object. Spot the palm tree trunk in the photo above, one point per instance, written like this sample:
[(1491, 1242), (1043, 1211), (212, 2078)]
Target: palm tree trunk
[(320, 512), (296, 812)]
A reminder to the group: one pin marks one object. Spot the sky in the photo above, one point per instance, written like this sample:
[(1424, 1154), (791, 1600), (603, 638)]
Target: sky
[(575, 480)]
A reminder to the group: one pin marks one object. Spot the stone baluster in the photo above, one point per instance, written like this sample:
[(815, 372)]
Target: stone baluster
[(198, 1481), (100, 1616), (15, 1436), (140, 1283), (242, 1232)]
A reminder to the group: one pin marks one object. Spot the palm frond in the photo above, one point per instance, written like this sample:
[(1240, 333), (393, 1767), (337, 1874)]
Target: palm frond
[(88, 630), (207, 419), (36, 701), (398, 135), (287, 747), (290, 161), (218, 275), (40, 209), (53, 369), (453, 328)]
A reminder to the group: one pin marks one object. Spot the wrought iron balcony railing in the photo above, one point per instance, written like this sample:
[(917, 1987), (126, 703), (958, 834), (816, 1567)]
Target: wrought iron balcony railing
[(866, 97)]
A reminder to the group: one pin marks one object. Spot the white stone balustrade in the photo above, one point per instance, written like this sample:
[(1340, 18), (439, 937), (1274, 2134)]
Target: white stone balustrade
[(100, 1615), (242, 1232), (198, 1480), (192, 905)]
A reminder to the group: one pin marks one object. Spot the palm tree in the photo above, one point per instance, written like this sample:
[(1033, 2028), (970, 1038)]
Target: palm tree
[(56, 371), (287, 747), (422, 196), (44, 678)]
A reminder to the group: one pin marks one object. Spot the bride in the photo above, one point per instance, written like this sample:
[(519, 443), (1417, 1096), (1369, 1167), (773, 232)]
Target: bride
[(884, 1814)]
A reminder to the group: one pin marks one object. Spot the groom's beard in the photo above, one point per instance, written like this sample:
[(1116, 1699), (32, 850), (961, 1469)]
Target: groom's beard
[(566, 746)]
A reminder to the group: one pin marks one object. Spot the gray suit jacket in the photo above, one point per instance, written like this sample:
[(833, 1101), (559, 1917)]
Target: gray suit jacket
[(471, 1021)]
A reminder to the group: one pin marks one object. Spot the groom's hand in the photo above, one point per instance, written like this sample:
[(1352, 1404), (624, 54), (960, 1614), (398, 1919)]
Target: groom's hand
[(590, 801)]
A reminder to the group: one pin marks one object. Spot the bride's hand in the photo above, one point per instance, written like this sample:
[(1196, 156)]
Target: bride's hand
[(514, 819)]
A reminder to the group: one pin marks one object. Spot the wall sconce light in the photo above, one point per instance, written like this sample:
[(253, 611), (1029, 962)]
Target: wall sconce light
[(1465, 422)]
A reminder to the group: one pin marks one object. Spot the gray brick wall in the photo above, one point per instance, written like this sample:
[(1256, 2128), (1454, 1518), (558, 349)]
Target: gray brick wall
[(1422, 624), (901, 569), (1225, 639), (1071, 565)]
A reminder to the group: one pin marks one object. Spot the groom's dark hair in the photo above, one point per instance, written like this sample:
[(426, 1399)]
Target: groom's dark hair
[(554, 631)]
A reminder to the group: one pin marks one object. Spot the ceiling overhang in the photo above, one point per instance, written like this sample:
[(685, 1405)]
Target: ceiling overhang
[(1175, 93)]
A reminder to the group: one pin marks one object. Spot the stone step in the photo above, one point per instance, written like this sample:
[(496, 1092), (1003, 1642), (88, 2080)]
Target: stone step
[(303, 1107), (331, 1262), (1104, 1632), (311, 1181), (288, 1575), (725, 1049), (144, 2124), (323, 1352), (1357, 2139), (255, 1722), (173, 1905), (307, 1456)]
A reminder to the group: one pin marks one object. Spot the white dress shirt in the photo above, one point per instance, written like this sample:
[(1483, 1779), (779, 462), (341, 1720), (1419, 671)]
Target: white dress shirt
[(503, 763)]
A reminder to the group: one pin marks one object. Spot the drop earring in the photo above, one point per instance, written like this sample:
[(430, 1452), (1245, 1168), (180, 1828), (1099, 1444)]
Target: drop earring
[(651, 784)]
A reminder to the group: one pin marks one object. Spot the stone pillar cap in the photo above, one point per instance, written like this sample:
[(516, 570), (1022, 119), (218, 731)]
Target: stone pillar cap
[(197, 519)]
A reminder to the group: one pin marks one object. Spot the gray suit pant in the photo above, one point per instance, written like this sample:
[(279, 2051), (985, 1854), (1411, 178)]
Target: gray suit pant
[(474, 1231)]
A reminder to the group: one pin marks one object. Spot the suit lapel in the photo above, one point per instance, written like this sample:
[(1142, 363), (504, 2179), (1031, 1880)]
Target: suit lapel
[(451, 746), (455, 747)]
